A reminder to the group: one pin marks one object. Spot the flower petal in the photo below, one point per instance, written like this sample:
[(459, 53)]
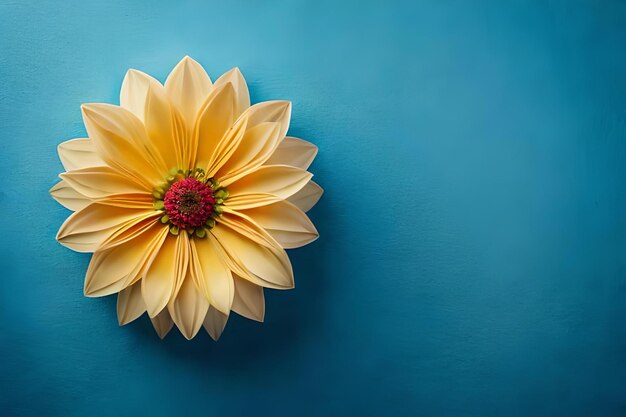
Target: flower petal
[(266, 127), (147, 99), (278, 111), (130, 304), (134, 92), (252, 253), (256, 146), (189, 308), (86, 229), (227, 146), (246, 201), (188, 86), (307, 197), (285, 222), (215, 322), (294, 152), (102, 182), (68, 197), (114, 269), (162, 323), (107, 186), (211, 274), (131, 230), (242, 95), (79, 153), (279, 180), (249, 300), (136, 201), (166, 129), (166, 273), (217, 116), (121, 141)]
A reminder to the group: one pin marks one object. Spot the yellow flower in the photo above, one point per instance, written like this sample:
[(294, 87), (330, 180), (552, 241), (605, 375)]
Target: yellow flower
[(188, 197)]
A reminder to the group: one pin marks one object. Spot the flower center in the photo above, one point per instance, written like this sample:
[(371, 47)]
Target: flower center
[(189, 203)]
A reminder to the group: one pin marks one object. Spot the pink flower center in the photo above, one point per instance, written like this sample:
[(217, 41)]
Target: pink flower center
[(189, 203)]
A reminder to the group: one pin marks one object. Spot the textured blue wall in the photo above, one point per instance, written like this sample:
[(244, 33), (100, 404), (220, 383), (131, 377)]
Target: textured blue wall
[(472, 259)]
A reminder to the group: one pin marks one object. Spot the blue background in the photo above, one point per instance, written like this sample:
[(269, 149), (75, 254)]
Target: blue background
[(472, 259)]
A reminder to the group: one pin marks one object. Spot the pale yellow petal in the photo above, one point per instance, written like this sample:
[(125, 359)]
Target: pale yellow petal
[(278, 111), (121, 141), (147, 99), (166, 273), (130, 304), (86, 229), (252, 253), (249, 300), (114, 269), (217, 116), (307, 197), (68, 197), (166, 130), (285, 222), (295, 152), (189, 308), (215, 322), (242, 96), (134, 92), (162, 323), (130, 230), (280, 180), (256, 146), (137, 201), (103, 185), (102, 182), (246, 201), (226, 146), (267, 124), (211, 274), (79, 153), (188, 86)]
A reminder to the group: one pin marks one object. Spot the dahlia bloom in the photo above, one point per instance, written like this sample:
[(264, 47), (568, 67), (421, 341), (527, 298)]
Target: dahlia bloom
[(188, 197)]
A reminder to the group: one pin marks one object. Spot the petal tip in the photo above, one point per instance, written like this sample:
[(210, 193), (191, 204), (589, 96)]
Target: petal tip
[(187, 60), (228, 88), (54, 188), (132, 72), (85, 107), (215, 335), (89, 109), (153, 312), (88, 292), (286, 104), (186, 334)]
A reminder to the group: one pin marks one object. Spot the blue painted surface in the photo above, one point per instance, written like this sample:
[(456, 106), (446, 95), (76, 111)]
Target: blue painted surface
[(472, 259)]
